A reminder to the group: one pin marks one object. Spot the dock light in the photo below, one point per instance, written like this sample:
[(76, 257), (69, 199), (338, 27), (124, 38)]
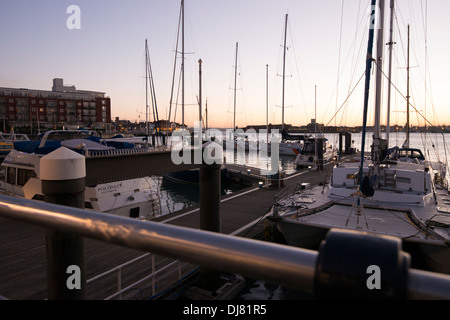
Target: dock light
[(309, 168), (261, 184), (248, 171)]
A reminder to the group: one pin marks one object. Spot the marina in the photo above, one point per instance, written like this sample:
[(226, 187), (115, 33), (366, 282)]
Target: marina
[(192, 208), (116, 272), (236, 219)]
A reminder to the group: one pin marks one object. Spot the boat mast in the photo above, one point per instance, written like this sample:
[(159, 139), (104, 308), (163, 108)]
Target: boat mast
[(390, 43), (315, 125), (284, 70), (407, 97), (152, 92), (206, 113), (182, 64), (369, 60), (146, 92), (200, 90), (235, 82), (267, 122), (174, 71), (379, 77)]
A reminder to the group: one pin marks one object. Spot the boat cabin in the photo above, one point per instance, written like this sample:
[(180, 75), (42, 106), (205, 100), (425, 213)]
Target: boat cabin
[(405, 154), (309, 147)]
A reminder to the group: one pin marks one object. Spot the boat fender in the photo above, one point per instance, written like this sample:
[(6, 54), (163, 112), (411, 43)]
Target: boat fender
[(346, 260)]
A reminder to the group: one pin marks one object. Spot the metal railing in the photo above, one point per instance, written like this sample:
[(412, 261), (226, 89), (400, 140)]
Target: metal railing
[(124, 152), (118, 270), (288, 266)]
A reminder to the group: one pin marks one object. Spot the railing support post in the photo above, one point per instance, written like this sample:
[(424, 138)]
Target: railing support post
[(63, 175), (210, 195)]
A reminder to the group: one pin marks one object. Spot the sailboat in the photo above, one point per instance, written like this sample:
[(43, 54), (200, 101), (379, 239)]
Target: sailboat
[(381, 195), (289, 144), (192, 176), (315, 152)]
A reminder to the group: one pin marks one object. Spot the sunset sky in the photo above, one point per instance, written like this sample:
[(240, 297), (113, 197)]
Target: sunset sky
[(327, 44)]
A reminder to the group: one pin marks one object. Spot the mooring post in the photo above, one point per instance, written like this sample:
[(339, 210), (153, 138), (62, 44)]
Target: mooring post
[(320, 142), (348, 142), (210, 195), (63, 173)]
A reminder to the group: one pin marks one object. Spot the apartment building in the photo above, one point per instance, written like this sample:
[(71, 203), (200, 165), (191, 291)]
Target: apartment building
[(63, 106)]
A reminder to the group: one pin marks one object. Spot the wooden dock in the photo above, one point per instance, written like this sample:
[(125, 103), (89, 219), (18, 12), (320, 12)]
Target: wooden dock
[(23, 252)]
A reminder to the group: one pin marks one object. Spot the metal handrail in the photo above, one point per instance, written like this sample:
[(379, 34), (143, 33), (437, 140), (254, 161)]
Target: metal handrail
[(289, 266), (118, 269)]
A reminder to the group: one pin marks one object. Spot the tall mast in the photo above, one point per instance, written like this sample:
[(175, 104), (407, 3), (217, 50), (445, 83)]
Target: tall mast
[(200, 89), (267, 120), (390, 43), (315, 124), (366, 94), (235, 79), (407, 98), (146, 92), (284, 70), (379, 77), (267, 105), (182, 63)]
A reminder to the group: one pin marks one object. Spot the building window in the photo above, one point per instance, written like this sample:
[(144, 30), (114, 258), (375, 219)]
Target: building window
[(41, 117), (33, 101), (61, 103), (41, 102), (11, 100), (11, 108)]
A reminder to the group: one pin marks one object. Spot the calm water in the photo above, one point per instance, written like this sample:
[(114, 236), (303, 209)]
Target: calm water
[(177, 196)]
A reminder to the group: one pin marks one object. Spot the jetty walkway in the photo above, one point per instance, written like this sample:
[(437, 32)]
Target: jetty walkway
[(108, 267)]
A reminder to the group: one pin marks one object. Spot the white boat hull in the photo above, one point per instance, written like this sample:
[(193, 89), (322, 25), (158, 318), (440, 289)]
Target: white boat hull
[(406, 206), (131, 198), (290, 149)]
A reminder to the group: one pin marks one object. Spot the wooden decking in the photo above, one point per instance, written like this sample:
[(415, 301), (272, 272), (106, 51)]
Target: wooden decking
[(23, 252)]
